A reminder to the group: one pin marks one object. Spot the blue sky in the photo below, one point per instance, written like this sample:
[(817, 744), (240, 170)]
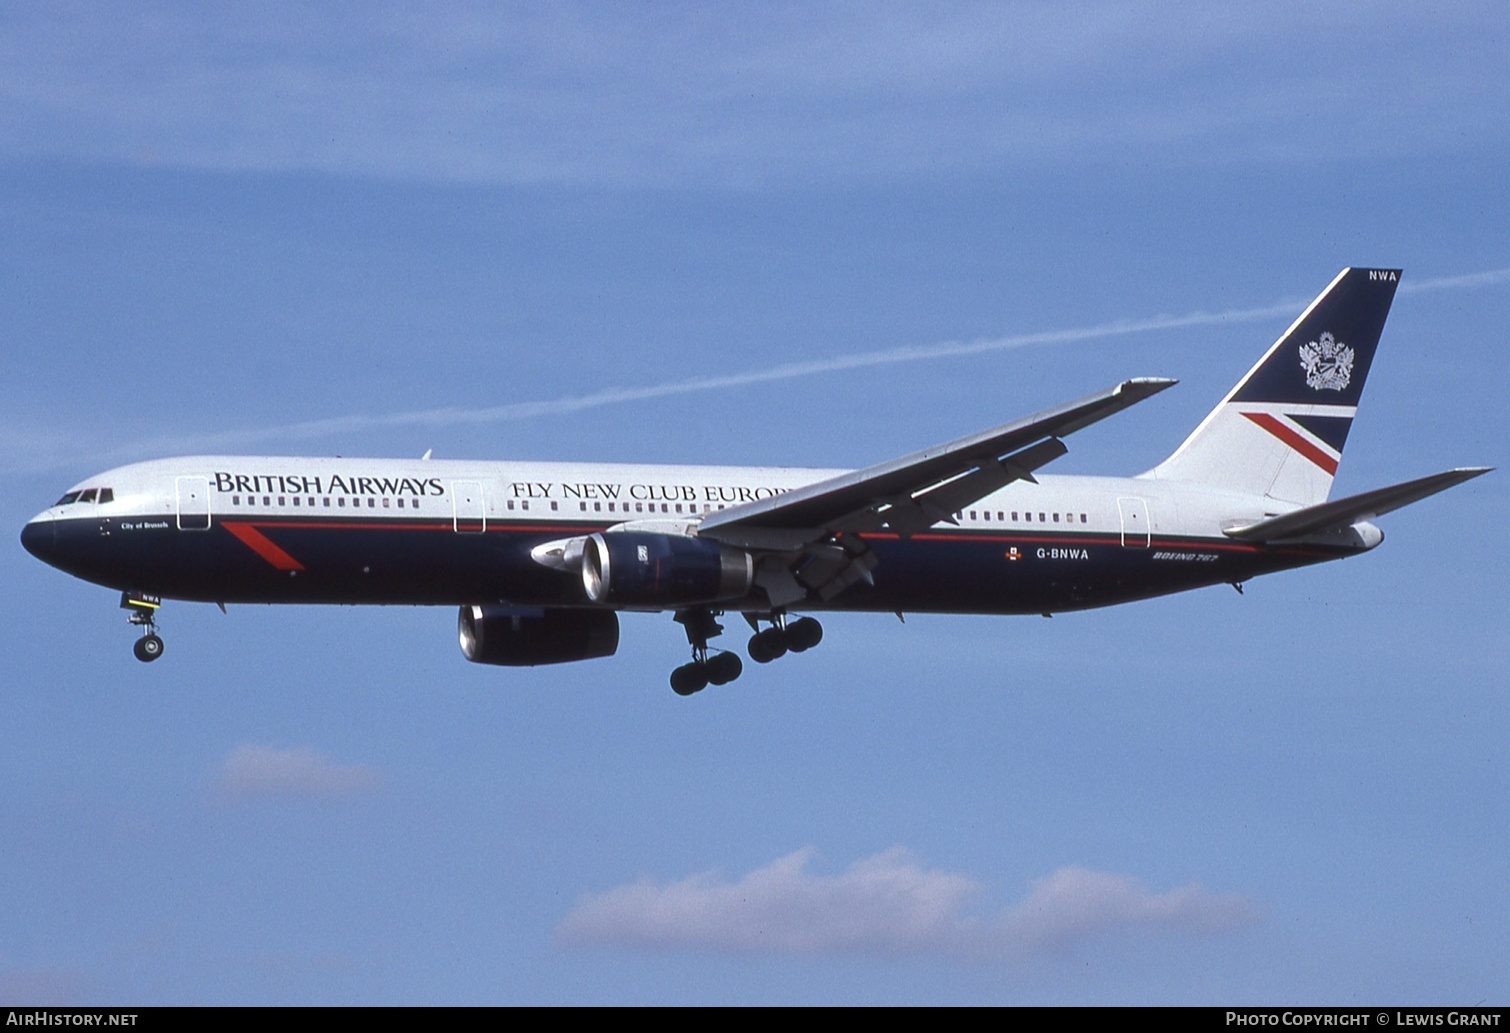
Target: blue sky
[(788, 236)]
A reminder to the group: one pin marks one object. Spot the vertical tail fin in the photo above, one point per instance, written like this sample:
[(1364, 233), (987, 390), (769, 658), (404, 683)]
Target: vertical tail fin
[(1280, 431)]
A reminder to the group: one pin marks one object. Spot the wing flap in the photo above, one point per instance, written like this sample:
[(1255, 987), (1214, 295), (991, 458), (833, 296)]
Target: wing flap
[(1343, 513)]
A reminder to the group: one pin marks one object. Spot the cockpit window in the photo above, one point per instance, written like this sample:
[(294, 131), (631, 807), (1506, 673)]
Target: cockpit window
[(87, 495)]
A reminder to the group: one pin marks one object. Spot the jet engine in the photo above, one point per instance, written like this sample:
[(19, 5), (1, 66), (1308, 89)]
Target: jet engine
[(635, 568), (510, 637)]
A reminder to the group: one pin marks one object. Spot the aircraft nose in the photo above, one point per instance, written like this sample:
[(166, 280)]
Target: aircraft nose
[(39, 539)]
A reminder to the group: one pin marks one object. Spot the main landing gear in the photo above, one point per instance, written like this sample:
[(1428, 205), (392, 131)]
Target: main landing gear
[(721, 667), (142, 612), (784, 636)]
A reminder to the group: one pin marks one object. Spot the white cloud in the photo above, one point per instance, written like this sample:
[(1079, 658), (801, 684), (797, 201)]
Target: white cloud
[(254, 770), (657, 94), (1076, 904), (887, 904)]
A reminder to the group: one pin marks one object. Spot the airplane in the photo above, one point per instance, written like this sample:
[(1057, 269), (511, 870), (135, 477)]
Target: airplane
[(540, 558)]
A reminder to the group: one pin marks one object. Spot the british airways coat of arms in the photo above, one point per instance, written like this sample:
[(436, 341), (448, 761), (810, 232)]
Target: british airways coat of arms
[(1328, 363)]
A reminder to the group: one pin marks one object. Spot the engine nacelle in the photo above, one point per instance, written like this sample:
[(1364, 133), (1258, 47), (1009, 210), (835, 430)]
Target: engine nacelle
[(510, 637), (636, 568)]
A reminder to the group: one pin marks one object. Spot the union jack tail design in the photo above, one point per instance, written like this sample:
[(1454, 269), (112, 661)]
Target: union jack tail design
[(1280, 431)]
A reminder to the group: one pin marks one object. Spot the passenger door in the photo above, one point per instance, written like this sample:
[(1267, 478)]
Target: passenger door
[(193, 503), (1136, 532), (469, 507)]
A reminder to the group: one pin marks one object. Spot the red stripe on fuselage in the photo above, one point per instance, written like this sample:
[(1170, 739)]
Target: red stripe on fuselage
[(260, 544), (1289, 437), (264, 547)]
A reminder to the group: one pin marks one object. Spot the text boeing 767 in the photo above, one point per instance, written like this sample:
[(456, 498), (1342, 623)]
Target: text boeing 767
[(541, 557)]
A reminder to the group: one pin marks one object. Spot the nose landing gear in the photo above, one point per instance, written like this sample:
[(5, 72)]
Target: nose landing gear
[(148, 648), (142, 610)]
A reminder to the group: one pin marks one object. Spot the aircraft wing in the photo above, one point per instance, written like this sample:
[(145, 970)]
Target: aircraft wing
[(919, 490), (1343, 513), (904, 495)]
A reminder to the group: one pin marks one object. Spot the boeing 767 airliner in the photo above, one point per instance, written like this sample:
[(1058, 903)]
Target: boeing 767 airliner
[(541, 557)]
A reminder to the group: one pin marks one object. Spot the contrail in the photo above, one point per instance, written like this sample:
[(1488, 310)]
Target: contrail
[(449, 417), (1485, 279)]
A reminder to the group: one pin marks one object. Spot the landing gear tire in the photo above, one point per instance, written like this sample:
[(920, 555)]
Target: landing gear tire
[(689, 678), (803, 634), (768, 645), (723, 668), (148, 648)]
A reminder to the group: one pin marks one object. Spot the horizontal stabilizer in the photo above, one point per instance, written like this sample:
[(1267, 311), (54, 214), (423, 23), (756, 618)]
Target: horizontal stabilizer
[(1343, 513)]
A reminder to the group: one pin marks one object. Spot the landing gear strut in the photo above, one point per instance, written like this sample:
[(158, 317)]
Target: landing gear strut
[(720, 668), (142, 611)]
